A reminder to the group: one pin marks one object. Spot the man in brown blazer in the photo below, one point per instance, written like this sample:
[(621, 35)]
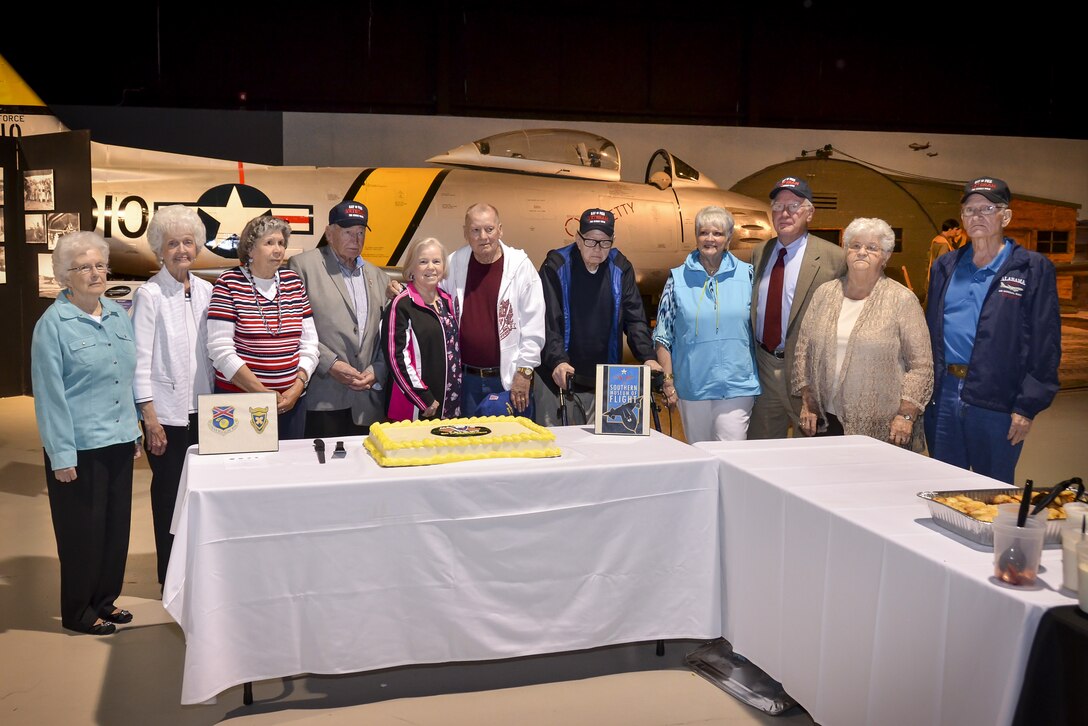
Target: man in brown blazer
[(804, 262), (346, 294)]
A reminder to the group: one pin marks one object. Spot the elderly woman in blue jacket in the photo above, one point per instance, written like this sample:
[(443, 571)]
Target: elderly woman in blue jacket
[(82, 359), (172, 367), (704, 335)]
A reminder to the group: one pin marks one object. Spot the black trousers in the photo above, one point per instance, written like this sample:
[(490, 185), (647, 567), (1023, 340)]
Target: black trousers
[(330, 424), (165, 479), (91, 518)]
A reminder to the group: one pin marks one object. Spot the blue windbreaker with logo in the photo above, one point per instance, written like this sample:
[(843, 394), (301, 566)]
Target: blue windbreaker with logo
[(1018, 342)]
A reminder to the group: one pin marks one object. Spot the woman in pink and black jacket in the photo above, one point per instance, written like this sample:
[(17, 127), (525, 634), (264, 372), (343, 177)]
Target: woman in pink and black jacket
[(419, 340)]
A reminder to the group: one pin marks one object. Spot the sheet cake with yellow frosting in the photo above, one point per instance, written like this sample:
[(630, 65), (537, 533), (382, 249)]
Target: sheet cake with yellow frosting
[(416, 443)]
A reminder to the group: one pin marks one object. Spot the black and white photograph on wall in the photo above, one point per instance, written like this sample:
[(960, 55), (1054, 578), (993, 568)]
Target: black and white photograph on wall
[(1, 186), (35, 229), (38, 192), (47, 283), (3, 262), (59, 224), (1, 225)]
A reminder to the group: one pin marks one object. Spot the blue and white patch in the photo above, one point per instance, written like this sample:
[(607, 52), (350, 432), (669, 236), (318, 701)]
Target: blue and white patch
[(1011, 286)]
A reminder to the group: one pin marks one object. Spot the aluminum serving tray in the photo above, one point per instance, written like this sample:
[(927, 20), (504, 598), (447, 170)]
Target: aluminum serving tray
[(971, 528)]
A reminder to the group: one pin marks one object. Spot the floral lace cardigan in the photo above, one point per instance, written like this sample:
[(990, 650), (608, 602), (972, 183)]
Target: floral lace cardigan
[(887, 358)]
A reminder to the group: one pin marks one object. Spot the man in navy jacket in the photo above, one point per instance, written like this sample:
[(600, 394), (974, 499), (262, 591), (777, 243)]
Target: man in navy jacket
[(996, 332), (591, 301)]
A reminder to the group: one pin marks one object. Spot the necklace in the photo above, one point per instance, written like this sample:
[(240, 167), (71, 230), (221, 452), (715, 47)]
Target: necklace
[(258, 297)]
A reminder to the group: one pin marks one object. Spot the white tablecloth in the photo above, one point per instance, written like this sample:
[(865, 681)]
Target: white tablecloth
[(839, 585), (282, 566)]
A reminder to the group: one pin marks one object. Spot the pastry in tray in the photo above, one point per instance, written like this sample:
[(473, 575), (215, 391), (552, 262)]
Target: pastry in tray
[(986, 511)]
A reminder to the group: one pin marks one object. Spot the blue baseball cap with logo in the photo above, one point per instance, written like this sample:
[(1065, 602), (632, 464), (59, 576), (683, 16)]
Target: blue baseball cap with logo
[(792, 184), (349, 214)]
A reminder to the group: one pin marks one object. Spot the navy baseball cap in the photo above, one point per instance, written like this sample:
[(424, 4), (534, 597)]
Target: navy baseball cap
[(993, 189), (792, 184), (600, 219), (349, 214)]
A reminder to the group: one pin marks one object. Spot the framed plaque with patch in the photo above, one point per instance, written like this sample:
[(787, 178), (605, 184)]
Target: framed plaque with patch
[(234, 423)]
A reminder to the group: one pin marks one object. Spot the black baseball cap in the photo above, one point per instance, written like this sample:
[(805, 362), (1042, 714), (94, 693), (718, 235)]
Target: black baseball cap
[(996, 190), (600, 219)]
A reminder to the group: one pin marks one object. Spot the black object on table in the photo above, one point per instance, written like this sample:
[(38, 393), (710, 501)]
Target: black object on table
[(1057, 671)]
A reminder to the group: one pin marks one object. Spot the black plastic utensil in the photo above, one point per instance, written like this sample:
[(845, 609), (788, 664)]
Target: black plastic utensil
[(1025, 503), (1045, 500), (1011, 563)]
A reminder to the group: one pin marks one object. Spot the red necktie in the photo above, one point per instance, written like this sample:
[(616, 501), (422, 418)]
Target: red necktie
[(772, 315)]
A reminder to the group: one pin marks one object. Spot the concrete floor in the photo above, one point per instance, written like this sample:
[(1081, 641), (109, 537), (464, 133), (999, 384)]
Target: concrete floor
[(49, 676)]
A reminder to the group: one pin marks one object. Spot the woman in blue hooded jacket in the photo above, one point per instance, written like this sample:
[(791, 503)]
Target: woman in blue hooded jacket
[(704, 335)]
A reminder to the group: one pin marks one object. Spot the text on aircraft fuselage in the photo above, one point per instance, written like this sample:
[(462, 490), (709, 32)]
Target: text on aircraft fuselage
[(224, 209)]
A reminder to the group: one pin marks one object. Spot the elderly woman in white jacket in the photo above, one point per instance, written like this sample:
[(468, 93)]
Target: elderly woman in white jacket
[(172, 367)]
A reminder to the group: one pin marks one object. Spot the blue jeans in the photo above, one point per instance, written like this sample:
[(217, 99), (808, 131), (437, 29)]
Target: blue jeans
[(971, 437), (474, 391)]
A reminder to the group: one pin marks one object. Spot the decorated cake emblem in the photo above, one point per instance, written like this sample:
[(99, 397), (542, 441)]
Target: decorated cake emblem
[(461, 430)]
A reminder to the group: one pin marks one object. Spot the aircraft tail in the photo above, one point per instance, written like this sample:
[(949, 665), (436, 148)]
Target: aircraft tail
[(22, 112)]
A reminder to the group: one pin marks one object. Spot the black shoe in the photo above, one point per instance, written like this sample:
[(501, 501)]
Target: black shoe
[(117, 616), (102, 629)]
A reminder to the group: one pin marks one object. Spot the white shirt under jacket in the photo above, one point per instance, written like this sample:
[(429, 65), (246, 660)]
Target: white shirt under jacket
[(164, 353)]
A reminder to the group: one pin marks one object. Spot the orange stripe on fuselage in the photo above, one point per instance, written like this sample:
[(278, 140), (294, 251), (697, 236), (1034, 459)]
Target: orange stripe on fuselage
[(393, 197)]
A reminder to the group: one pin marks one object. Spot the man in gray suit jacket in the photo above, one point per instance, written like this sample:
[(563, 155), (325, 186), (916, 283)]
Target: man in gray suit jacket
[(804, 263), (346, 294)]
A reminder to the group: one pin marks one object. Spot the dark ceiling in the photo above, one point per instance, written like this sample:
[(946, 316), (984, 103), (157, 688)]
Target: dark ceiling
[(948, 67)]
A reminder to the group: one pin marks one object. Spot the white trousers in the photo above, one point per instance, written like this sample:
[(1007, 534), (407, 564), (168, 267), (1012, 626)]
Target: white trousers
[(721, 420)]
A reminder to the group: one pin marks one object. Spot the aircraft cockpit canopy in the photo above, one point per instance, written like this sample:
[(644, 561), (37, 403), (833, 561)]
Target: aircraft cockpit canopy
[(558, 152), (666, 170)]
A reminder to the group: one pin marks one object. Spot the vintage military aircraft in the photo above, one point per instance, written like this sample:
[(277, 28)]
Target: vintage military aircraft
[(540, 180)]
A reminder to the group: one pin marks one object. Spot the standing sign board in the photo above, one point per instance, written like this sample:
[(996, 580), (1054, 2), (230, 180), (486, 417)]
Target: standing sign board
[(623, 400)]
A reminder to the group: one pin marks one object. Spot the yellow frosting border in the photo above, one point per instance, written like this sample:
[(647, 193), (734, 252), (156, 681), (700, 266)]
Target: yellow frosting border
[(378, 442)]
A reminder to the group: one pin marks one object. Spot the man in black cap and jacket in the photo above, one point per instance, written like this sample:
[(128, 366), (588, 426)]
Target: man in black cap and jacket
[(591, 300)]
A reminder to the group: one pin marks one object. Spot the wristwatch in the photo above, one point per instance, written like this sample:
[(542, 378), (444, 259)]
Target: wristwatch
[(526, 371), (905, 416)]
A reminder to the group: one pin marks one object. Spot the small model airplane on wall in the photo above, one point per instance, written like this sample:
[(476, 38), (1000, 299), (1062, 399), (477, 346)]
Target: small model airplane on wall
[(540, 180)]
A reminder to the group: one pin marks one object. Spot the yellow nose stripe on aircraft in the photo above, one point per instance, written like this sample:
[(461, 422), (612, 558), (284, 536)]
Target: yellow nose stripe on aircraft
[(396, 200), (13, 90)]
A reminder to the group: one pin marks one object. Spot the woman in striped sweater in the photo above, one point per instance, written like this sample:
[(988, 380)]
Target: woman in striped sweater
[(261, 334)]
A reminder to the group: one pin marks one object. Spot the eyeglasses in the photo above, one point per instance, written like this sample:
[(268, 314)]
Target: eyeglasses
[(100, 267), (792, 207), (858, 247), (602, 243), (987, 210)]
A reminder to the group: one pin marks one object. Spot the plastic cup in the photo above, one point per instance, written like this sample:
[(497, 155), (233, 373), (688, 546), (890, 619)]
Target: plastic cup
[(1074, 511), (1082, 573), (1071, 538), (1017, 551), (1009, 511)]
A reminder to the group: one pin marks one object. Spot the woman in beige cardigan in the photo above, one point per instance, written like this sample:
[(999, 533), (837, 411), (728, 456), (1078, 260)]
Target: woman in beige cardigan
[(863, 363)]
